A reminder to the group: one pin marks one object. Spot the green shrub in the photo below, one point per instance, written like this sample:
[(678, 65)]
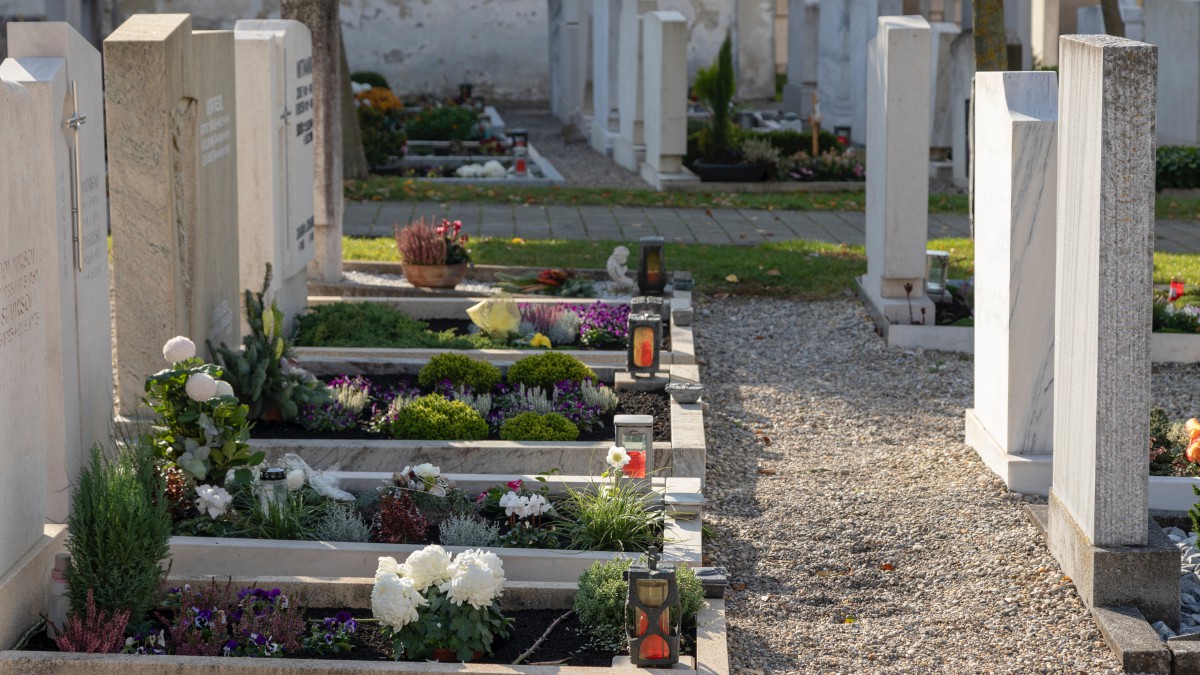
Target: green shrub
[(369, 77), (461, 370), (547, 369), (600, 601), (434, 418), (371, 324), (530, 426), (445, 123), (715, 86), (790, 142), (1177, 166), (120, 533), (383, 134)]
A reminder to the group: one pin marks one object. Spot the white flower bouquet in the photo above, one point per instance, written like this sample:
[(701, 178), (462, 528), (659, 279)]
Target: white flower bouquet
[(437, 607)]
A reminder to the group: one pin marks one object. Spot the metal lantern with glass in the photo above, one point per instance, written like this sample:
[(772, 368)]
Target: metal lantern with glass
[(652, 624), (635, 433), (649, 304), (937, 272), (274, 487), (645, 336), (520, 151), (652, 269)]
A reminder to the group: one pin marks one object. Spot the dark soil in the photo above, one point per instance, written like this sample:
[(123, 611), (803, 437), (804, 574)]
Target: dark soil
[(568, 645), (463, 327), (951, 313), (628, 403)]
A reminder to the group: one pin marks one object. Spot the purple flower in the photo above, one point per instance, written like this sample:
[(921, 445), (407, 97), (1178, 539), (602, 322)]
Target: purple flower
[(343, 617)]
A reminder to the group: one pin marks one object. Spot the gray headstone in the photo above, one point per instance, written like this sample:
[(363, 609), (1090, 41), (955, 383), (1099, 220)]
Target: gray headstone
[(1174, 25), (847, 27)]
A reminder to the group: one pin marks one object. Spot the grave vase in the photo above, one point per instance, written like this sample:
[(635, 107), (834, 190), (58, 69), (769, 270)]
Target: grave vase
[(434, 276)]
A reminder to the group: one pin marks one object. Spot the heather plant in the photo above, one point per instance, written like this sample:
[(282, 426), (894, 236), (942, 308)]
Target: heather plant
[(480, 403), (600, 601), (598, 395), (92, 630), (460, 370), (556, 321), (399, 521), (604, 326), (830, 165), (546, 369), (468, 530), (119, 534), (341, 522), (262, 372), (421, 242)]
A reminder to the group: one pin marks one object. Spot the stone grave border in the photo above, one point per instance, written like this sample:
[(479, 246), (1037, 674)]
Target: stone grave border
[(712, 655), (478, 273), (550, 175), (252, 557), (766, 187)]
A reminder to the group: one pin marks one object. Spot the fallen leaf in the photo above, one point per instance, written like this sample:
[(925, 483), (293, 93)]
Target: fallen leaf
[(887, 567), (759, 337), (766, 472), (708, 212), (772, 273), (738, 586), (732, 278), (766, 440), (848, 619)]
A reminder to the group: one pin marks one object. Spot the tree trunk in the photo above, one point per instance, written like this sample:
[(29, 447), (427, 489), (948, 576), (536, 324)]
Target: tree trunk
[(1113, 23), (990, 37), (354, 158)]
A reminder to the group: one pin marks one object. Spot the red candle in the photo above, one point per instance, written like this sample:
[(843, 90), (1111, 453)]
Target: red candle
[(654, 647), (636, 468), (643, 347)]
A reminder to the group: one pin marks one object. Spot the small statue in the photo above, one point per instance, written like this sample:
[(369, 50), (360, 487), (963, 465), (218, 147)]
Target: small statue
[(617, 269)]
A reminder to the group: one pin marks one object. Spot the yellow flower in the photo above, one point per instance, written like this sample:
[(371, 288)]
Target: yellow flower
[(539, 340)]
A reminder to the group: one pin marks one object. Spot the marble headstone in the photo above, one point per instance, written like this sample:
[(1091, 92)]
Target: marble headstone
[(1018, 21), (897, 170), (170, 103), (606, 22), (803, 46), (321, 18), (275, 159), (1016, 155), (79, 334), (27, 261), (846, 28), (1104, 262), (1174, 25), (941, 78), (1043, 31), (959, 78), (664, 42), (629, 147)]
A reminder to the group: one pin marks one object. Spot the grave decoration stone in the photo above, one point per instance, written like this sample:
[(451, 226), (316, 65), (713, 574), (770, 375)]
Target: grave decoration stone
[(1011, 425), (847, 27), (629, 147), (170, 111), (606, 21), (803, 47), (665, 88), (27, 265), (1098, 526), (1174, 25), (275, 159), (897, 162), (321, 18), (71, 131)]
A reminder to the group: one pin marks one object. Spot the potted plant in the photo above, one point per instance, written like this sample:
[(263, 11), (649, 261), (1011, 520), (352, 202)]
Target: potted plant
[(433, 256), (720, 159)]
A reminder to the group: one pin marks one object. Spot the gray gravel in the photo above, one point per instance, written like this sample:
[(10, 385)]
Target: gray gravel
[(864, 535)]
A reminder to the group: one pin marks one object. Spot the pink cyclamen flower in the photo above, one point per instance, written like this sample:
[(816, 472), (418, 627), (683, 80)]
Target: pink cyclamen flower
[(515, 485)]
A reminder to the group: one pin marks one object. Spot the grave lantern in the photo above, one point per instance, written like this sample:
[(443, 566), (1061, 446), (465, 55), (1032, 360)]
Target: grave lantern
[(654, 631), (520, 152), (843, 135), (478, 103), (464, 92), (645, 336), (648, 304), (635, 433), (652, 269), (937, 271), (274, 487)]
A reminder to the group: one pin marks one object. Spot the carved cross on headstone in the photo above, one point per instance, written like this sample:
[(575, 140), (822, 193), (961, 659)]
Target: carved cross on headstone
[(73, 123), (286, 114)]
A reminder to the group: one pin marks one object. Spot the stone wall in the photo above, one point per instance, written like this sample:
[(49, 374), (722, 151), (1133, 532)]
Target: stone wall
[(432, 45)]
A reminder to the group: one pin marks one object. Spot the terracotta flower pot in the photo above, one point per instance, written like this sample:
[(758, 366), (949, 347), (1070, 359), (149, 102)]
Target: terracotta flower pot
[(434, 276), (448, 656)]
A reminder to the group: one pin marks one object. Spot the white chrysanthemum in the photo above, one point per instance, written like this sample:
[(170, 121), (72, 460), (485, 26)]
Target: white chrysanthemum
[(388, 565), (427, 470), (428, 567), (489, 560), (617, 457), (224, 388), (295, 480), (472, 583), (212, 500), (201, 387), (394, 601), (178, 349), (538, 505)]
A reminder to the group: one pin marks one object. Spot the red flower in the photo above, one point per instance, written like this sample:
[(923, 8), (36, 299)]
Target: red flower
[(636, 468), (515, 485)]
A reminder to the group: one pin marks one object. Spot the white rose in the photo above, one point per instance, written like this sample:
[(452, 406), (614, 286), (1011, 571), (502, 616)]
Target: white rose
[(178, 349), (617, 457), (224, 388), (201, 387), (428, 567), (489, 560), (212, 500), (394, 601), (471, 583), (295, 480)]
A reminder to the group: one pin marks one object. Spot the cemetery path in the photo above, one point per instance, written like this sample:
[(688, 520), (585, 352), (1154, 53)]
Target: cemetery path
[(861, 533), (713, 226)]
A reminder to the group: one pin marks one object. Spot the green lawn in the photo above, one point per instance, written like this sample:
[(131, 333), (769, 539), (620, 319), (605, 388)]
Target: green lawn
[(395, 188), (796, 268)]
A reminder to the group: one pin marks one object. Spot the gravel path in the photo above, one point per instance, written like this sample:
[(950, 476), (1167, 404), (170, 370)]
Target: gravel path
[(861, 533)]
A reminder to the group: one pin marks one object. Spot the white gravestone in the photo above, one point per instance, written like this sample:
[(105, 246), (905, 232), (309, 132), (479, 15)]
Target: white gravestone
[(1011, 425), (664, 42), (846, 28), (1018, 19), (959, 79), (275, 159), (80, 333), (941, 79), (629, 147), (1174, 25), (606, 17), (27, 261), (803, 46), (1043, 41), (172, 149), (1098, 525), (897, 171)]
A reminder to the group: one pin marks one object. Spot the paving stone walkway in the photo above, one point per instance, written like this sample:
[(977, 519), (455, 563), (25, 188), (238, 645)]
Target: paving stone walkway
[(716, 226)]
